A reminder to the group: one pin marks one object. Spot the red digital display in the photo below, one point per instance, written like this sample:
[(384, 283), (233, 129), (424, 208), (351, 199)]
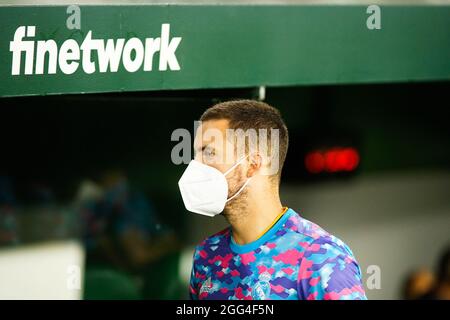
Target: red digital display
[(331, 160)]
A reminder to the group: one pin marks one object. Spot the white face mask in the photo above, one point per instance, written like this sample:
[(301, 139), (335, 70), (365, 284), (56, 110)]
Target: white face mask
[(204, 189)]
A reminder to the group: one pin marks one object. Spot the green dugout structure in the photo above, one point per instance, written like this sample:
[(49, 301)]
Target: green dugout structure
[(51, 47), (54, 47)]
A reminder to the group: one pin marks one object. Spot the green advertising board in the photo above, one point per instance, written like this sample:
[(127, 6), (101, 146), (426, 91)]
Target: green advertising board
[(56, 49)]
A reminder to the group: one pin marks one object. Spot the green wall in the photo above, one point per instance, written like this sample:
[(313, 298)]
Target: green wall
[(228, 46)]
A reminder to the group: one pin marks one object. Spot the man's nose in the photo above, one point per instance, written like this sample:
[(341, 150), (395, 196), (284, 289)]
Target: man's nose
[(198, 157)]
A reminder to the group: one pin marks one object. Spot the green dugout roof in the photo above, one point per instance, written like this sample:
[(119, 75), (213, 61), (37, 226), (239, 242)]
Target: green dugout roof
[(224, 2), (52, 47)]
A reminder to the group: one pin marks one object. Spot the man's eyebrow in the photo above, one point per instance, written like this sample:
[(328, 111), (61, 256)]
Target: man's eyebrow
[(202, 148), (208, 145)]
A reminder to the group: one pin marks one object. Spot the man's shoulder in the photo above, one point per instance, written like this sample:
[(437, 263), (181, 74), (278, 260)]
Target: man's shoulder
[(313, 237), (213, 241)]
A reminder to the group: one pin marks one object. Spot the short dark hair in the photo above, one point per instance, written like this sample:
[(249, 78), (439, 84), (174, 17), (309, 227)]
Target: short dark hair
[(252, 114)]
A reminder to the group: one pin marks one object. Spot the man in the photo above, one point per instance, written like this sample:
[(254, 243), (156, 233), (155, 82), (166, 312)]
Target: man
[(441, 288), (269, 251), (120, 224), (418, 284)]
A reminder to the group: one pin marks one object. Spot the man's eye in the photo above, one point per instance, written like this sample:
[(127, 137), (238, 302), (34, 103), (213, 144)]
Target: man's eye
[(209, 153)]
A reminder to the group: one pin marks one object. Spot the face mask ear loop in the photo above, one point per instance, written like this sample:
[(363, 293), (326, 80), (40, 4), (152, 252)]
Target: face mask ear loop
[(240, 190), (237, 163)]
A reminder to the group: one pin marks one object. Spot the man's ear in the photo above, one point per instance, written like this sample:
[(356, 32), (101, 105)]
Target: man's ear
[(268, 166), (254, 164)]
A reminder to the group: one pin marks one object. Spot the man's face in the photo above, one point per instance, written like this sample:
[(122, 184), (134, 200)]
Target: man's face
[(211, 147)]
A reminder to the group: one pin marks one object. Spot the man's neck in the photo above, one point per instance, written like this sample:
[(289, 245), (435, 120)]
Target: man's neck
[(258, 216)]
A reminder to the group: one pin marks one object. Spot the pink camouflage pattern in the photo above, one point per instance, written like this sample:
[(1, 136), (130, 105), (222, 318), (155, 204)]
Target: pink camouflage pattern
[(294, 260)]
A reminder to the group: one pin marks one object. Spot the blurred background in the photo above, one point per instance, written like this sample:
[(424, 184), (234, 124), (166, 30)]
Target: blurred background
[(87, 181)]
